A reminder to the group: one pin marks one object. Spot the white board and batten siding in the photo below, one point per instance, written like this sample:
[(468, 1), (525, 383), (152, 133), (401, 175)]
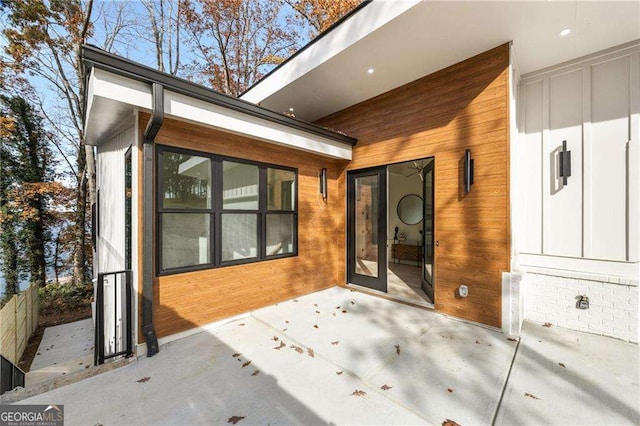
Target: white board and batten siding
[(111, 186), (110, 238), (582, 237)]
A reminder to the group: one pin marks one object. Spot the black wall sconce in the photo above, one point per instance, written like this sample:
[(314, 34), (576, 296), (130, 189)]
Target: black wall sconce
[(323, 183), (468, 170), (565, 163)]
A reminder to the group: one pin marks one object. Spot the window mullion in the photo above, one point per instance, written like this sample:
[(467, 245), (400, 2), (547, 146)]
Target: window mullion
[(263, 190), (216, 203)]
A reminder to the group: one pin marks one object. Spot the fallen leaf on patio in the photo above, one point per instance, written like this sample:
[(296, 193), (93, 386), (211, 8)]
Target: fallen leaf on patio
[(236, 355), (358, 393), (449, 422), (297, 348), (449, 390), (255, 373), (344, 312), (315, 304), (546, 324), (282, 345), (241, 324), (235, 419), (317, 312), (286, 321), (385, 387), (531, 396), (335, 343), (477, 342), (315, 325), (339, 372), (245, 364), (310, 352), (511, 339), (398, 349), (334, 314), (353, 303), (284, 329), (295, 300), (275, 338), (562, 365), (351, 291), (144, 380)]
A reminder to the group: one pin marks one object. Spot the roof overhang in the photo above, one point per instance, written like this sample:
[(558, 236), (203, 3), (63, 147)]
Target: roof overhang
[(117, 87), (405, 40)]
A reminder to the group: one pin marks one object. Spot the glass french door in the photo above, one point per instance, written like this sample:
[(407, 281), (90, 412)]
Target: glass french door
[(428, 197), (367, 228)]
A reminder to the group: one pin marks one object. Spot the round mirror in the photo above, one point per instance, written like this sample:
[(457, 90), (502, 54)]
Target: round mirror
[(410, 209)]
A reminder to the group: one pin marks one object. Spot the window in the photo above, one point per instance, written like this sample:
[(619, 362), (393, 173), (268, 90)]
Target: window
[(216, 211)]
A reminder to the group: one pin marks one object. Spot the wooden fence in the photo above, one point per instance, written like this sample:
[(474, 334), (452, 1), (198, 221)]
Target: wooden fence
[(18, 320)]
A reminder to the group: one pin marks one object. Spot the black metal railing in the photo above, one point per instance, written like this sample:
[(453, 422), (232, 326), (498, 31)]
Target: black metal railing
[(113, 331), (11, 376)]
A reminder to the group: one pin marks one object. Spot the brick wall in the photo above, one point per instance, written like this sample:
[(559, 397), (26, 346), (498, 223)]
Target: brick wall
[(550, 296)]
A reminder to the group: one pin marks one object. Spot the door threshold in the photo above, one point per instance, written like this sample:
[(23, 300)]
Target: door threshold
[(394, 298)]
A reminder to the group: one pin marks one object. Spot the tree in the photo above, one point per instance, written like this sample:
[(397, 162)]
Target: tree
[(8, 245), (44, 40), (27, 186), (320, 14), (235, 41), (164, 26)]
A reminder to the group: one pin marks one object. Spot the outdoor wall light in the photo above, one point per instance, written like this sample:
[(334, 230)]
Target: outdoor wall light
[(565, 163), (468, 170), (323, 183)]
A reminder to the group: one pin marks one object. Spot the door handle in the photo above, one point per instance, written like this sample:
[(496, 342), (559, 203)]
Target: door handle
[(437, 243)]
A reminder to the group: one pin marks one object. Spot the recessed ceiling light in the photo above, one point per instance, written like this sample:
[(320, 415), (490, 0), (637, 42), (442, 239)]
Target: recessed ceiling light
[(370, 70), (565, 32)]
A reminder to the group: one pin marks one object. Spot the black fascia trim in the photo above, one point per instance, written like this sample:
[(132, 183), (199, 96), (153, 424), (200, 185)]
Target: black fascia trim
[(98, 58), (311, 43)]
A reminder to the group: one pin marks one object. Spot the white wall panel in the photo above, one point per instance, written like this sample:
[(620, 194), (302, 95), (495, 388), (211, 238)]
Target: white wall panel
[(110, 183), (610, 92), (563, 216), (593, 104), (530, 171)]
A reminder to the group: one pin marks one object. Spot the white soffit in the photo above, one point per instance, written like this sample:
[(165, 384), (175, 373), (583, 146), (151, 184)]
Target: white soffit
[(112, 98), (419, 39), (358, 26)]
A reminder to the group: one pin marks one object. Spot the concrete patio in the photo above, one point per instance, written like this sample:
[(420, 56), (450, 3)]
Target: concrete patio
[(344, 357), (64, 349)]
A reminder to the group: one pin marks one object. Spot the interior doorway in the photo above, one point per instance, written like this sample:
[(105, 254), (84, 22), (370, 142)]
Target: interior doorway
[(390, 216), (410, 230)]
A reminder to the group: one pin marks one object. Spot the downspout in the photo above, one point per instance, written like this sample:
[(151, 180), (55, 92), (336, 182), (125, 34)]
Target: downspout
[(153, 126)]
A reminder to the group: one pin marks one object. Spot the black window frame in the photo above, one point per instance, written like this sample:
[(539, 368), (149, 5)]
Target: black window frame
[(216, 211)]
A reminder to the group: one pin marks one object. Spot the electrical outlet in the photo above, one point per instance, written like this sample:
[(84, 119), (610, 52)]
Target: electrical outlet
[(463, 291), (583, 302)]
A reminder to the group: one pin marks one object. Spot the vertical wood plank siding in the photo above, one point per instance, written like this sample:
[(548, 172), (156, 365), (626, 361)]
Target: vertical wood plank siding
[(463, 106), (186, 300)]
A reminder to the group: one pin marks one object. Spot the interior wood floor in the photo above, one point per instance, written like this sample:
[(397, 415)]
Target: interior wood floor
[(405, 281)]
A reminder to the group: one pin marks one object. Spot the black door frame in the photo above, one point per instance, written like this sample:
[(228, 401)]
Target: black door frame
[(380, 282)]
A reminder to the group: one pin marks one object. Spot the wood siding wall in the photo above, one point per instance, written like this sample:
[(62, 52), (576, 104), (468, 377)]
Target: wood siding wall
[(186, 300), (440, 115)]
